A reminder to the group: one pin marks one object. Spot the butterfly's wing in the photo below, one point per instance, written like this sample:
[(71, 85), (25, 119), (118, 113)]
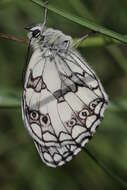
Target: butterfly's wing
[(63, 103)]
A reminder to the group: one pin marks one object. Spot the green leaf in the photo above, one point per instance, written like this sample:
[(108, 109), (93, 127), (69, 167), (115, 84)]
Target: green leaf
[(9, 102), (10, 98), (106, 170), (85, 22)]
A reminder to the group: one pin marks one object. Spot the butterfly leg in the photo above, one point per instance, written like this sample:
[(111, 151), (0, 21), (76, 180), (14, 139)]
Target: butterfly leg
[(79, 41)]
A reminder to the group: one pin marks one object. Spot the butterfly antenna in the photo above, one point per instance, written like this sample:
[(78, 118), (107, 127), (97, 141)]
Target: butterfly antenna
[(46, 13)]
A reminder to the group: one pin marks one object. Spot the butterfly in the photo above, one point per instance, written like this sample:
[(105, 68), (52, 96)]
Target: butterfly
[(63, 100)]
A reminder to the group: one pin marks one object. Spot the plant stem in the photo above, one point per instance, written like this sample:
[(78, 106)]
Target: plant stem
[(13, 38), (105, 169)]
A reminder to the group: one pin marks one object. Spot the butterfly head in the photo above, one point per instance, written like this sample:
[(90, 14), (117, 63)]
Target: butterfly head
[(35, 32)]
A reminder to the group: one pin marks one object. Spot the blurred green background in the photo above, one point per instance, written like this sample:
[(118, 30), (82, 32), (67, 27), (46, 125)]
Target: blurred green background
[(20, 164)]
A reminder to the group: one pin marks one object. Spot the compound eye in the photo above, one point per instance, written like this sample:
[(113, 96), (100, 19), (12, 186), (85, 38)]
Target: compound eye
[(83, 114), (66, 41), (36, 33), (34, 115)]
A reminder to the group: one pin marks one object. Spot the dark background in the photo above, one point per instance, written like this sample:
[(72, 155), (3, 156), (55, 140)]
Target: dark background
[(20, 165)]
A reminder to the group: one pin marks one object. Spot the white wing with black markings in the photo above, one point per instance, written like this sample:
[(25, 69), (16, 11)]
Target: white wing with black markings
[(63, 99)]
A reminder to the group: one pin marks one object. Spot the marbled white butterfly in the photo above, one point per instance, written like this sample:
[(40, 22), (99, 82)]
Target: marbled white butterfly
[(63, 100)]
